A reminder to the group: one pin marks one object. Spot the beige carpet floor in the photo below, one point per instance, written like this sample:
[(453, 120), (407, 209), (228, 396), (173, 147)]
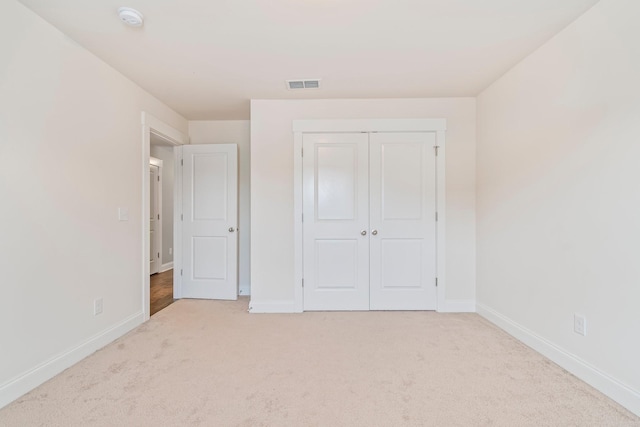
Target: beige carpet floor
[(211, 363)]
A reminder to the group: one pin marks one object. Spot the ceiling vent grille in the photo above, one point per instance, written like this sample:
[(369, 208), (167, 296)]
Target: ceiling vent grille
[(303, 84)]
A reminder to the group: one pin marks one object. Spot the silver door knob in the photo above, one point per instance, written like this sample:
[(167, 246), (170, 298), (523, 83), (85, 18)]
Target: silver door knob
[(231, 229), (363, 232), (374, 232)]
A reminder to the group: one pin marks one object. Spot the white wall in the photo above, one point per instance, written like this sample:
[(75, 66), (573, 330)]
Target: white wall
[(166, 155), (272, 244), (66, 118), (233, 132), (559, 201)]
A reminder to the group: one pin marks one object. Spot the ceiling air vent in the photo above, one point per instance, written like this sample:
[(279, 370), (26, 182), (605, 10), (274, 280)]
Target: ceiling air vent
[(303, 84)]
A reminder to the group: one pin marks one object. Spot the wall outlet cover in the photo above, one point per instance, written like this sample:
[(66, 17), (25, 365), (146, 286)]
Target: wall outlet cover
[(580, 324), (97, 306)]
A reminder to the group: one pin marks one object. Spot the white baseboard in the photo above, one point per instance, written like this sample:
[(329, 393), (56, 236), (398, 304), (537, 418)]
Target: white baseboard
[(166, 267), (16, 387), (621, 393), (272, 307), (451, 306), (458, 306)]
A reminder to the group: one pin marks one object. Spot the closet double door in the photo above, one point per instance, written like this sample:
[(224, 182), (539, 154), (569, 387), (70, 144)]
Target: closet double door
[(369, 221)]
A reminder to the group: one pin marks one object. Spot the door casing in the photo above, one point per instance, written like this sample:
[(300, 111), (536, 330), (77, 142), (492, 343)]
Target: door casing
[(438, 126)]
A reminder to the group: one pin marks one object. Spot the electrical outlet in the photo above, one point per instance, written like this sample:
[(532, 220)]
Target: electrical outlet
[(97, 306), (580, 324)]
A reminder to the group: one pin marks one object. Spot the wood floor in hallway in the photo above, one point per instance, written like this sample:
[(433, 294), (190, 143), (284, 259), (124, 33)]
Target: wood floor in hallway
[(161, 287)]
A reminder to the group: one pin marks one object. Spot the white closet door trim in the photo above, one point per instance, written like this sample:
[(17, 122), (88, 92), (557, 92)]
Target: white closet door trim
[(370, 125), (297, 222), (441, 224), (439, 126)]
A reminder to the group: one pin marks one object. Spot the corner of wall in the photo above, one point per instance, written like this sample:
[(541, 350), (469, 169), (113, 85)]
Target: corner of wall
[(582, 369), (27, 381)]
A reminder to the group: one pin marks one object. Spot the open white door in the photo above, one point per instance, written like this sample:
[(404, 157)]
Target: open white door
[(209, 221), (154, 216)]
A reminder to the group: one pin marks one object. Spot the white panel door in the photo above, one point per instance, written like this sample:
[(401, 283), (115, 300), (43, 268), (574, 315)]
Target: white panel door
[(335, 221), (154, 254), (209, 221), (403, 225)]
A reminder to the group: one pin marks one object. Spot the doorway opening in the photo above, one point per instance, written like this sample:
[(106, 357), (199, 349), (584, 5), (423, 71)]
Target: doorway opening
[(158, 143), (161, 183)]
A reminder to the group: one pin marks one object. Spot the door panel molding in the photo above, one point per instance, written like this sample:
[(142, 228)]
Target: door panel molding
[(435, 126)]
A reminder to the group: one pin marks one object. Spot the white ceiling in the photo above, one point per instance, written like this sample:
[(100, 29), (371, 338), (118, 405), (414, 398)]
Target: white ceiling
[(207, 58)]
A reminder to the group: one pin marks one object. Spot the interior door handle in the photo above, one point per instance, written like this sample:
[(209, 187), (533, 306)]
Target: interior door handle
[(231, 229), (363, 232), (374, 232)]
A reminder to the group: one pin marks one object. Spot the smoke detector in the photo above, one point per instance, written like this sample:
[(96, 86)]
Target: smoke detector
[(303, 84), (130, 16)]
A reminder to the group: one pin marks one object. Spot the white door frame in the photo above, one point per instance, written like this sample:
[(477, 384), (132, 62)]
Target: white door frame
[(438, 126), (150, 125)]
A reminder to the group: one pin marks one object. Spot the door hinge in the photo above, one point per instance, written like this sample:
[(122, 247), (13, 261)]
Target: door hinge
[(436, 282), (181, 162), (158, 254), (303, 217), (436, 216), (181, 272), (158, 178), (436, 147), (158, 216), (303, 282)]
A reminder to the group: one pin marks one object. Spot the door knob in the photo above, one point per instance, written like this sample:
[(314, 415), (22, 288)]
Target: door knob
[(231, 229), (374, 232), (363, 232)]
